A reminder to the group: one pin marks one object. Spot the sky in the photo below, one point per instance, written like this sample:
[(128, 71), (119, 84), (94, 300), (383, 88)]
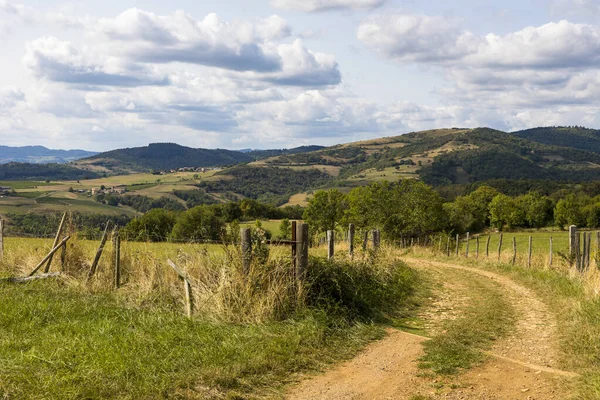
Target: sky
[(100, 75)]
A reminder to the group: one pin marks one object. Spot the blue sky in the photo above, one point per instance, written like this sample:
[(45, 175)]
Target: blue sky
[(281, 73)]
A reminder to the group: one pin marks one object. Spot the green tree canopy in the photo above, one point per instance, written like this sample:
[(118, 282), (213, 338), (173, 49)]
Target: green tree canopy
[(325, 210)]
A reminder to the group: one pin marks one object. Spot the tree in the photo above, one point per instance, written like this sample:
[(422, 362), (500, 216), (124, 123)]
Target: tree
[(285, 229), (325, 210), (405, 208), (155, 226), (537, 209), (199, 223), (505, 211), (569, 210)]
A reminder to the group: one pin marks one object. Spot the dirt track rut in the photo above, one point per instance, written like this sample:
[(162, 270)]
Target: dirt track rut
[(522, 366)]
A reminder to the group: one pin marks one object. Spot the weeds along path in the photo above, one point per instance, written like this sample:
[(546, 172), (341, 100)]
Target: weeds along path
[(521, 365)]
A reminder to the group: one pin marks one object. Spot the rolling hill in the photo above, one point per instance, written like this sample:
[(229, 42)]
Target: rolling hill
[(40, 155)]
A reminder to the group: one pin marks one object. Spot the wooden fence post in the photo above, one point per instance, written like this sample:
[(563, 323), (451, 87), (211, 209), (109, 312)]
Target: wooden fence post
[(577, 251), (448, 247), (457, 243), (117, 261), (1, 239), (550, 259), (351, 240), (529, 253), (514, 259), (56, 240), (99, 251), (588, 250), (330, 244), (376, 239), (467, 247), (301, 250), (440, 245), (63, 257), (246, 240), (597, 258), (294, 257), (477, 247), (54, 250), (499, 247), (572, 242), (487, 246), (365, 241), (187, 286)]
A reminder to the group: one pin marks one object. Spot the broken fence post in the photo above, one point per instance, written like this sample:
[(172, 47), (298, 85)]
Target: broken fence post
[(187, 286), (99, 252), (56, 239), (54, 250)]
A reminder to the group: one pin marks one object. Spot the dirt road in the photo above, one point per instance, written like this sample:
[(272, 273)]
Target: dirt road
[(522, 365)]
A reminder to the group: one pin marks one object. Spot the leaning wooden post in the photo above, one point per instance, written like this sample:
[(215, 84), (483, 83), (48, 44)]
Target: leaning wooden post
[(514, 259), (54, 250), (56, 240), (487, 246), (376, 239), (499, 247), (99, 252), (330, 244), (477, 247), (187, 287), (351, 240), (301, 250), (529, 253), (467, 246), (550, 261), (246, 241), (117, 261), (63, 257), (1, 239)]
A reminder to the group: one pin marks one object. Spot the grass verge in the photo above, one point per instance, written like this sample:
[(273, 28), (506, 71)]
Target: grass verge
[(486, 317)]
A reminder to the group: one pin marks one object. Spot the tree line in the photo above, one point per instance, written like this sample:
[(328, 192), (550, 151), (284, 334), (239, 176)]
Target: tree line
[(411, 208)]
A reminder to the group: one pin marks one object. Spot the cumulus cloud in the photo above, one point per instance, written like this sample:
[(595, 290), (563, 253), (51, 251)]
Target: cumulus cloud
[(59, 61), (417, 38), (327, 5), (10, 97)]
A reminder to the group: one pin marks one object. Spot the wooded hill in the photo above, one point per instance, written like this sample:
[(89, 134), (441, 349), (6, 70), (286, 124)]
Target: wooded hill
[(40, 155)]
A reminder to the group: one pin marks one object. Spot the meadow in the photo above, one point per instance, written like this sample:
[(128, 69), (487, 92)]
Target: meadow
[(250, 335)]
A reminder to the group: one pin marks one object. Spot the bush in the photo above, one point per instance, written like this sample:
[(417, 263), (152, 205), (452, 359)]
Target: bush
[(362, 291)]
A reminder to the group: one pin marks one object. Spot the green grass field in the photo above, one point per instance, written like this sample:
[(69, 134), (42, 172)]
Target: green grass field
[(72, 339)]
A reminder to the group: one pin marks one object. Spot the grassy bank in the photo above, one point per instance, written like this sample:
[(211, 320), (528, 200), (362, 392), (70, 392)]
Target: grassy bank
[(250, 335)]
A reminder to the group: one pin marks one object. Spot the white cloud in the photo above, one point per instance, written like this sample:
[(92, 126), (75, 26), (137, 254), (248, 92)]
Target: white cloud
[(417, 38), (327, 5)]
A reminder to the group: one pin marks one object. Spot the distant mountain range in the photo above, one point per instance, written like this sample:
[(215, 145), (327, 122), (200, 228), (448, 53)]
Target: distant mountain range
[(40, 155)]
